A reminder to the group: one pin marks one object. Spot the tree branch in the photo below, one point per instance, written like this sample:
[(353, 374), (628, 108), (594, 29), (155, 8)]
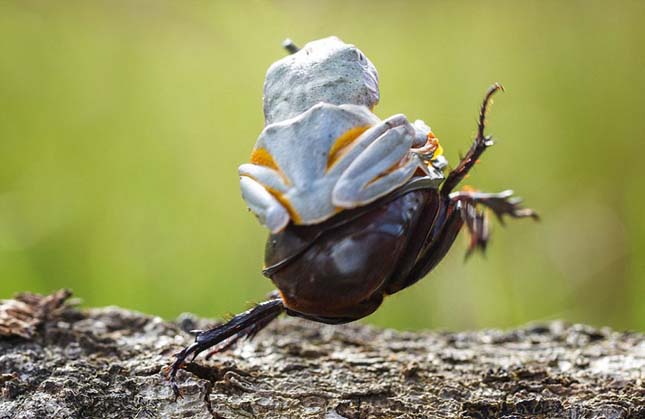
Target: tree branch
[(110, 363)]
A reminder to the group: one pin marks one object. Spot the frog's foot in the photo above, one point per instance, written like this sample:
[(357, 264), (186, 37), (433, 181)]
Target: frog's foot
[(384, 158)]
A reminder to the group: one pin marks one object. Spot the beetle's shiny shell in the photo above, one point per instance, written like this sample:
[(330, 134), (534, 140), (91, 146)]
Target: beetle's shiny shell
[(340, 270)]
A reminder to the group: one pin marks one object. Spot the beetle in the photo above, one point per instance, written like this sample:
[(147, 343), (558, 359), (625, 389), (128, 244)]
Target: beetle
[(358, 208)]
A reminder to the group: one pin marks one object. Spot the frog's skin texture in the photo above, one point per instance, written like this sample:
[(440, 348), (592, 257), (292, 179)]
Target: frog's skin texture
[(323, 150), (327, 70)]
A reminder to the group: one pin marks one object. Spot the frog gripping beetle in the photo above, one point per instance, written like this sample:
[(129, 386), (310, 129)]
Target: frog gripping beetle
[(358, 208)]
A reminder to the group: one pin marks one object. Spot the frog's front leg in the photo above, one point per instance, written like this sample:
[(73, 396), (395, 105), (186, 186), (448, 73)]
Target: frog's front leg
[(264, 205), (257, 182), (381, 162)]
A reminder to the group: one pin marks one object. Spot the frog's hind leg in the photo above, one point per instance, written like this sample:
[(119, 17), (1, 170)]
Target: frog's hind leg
[(384, 164), (244, 325)]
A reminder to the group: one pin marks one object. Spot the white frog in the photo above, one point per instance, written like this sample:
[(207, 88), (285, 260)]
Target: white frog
[(323, 150)]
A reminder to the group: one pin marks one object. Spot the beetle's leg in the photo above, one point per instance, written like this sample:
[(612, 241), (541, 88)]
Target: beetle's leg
[(246, 324), (481, 143), (476, 220), (477, 225), (501, 203), (248, 333), (459, 209)]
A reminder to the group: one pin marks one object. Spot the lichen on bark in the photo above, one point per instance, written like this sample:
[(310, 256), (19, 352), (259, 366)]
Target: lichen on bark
[(111, 363)]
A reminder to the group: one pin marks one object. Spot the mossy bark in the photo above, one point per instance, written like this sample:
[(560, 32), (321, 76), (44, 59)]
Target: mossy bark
[(60, 362)]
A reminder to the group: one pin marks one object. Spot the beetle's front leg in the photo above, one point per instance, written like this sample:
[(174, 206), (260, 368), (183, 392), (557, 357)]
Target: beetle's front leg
[(244, 325), (481, 143)]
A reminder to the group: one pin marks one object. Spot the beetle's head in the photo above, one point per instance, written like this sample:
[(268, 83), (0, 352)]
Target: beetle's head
[(326, 70)]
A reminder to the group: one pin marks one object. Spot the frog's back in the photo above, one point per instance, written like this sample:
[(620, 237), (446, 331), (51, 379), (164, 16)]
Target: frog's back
[(306, 147), (327, 70)]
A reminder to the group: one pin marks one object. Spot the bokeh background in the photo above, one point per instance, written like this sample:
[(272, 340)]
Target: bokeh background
[(122, 124)]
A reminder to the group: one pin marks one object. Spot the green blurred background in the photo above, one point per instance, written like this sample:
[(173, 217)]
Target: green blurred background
[(122, 124)]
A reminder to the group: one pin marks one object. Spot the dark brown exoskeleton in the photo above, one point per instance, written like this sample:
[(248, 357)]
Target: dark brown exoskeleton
[(340, 270)]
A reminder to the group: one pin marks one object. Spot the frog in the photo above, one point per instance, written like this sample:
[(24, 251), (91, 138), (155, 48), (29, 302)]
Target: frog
[(323, 150)]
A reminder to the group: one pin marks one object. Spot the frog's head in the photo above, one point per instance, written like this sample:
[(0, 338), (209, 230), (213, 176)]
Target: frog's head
[(327, 70)]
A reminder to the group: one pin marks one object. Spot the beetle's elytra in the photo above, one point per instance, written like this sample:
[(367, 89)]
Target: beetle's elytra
[(358, 207)]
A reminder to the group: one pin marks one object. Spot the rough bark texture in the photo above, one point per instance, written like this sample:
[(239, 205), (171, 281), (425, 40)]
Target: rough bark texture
[(59, 362)]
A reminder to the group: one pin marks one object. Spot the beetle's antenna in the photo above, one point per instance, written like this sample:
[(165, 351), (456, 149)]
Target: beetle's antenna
[(290, 46)]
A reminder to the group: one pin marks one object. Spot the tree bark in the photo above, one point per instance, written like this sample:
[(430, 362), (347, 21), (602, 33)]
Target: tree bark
[(60, 362)]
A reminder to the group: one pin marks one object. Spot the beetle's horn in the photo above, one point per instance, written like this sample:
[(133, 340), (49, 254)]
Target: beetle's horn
[(290, 46)]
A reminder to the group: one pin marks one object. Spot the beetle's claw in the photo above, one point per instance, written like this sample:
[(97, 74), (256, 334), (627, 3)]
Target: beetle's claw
[(223, 346), (178, 364)]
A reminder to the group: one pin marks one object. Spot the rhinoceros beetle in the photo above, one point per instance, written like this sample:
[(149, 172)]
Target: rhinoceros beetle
[(358, 208)]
